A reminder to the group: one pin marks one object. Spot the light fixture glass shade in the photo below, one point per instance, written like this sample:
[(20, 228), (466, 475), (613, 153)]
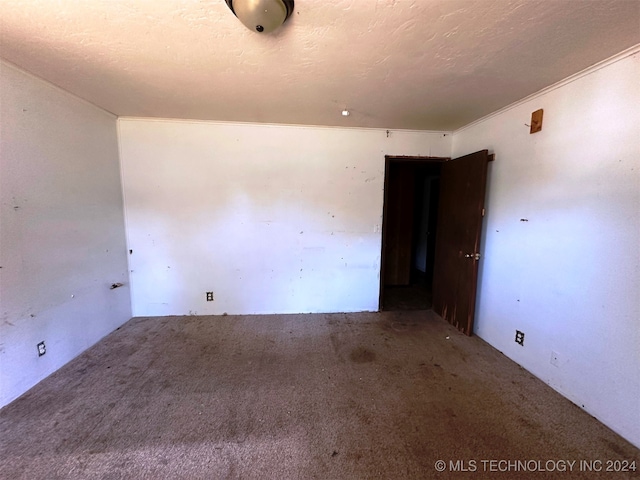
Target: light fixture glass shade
[(261, 16)]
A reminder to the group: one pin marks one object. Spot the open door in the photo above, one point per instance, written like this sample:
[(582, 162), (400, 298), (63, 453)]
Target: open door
[(399, 227), (462, 190), (410, 201)]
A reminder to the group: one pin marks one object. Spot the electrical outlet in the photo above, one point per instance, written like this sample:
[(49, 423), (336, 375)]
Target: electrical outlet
[(209, 296), (555, 358), (520, 337), (42, 349)]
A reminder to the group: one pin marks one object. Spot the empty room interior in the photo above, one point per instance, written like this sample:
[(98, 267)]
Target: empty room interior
[(320, 239)]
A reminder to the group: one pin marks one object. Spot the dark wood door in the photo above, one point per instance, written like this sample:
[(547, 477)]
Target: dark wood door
[(462, 190)]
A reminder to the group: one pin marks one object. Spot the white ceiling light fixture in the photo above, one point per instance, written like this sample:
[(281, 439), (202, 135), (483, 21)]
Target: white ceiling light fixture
[(262, 16), (346, 113)]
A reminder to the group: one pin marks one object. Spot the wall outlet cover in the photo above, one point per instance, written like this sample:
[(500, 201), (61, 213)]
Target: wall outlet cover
[(519, 337)]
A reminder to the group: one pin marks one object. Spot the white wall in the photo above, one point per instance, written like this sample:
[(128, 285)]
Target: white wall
[(62, 241), (569, 277), (271, 219)]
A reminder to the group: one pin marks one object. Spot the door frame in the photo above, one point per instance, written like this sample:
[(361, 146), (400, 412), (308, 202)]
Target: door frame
[(388, 159)]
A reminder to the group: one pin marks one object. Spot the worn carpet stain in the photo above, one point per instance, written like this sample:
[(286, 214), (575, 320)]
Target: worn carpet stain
[(362, 355)]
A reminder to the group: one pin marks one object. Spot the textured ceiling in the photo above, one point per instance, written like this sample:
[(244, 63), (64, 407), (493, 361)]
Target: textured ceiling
[(425, 64)]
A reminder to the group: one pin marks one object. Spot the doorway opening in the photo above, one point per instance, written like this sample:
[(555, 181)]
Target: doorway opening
[(410, 219)]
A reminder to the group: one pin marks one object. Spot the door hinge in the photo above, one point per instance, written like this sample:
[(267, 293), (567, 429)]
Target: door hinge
[(483, 212), (475, 256)]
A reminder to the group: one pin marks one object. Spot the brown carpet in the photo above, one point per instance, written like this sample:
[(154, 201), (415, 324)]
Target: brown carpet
[(340, 396), (410, 297)]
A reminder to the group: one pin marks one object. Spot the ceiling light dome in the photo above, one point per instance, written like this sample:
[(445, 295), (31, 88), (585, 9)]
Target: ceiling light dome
[(262, 16)]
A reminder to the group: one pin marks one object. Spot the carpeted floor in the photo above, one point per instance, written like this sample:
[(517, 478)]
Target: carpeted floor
[(410, 297), (340, 396)]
